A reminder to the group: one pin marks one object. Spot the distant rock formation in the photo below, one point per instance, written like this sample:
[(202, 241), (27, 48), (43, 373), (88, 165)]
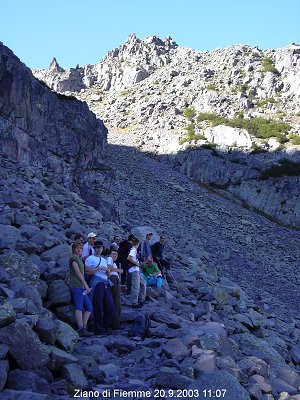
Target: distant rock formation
[(144, 87), (54, 66), (54, 133)]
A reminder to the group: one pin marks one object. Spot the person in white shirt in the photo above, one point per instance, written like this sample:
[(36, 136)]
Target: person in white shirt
[(138, 284), (103, 305), (116, 289), (88, 248)]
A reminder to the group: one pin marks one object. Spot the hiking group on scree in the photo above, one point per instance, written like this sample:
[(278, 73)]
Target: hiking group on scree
[(97, 276)]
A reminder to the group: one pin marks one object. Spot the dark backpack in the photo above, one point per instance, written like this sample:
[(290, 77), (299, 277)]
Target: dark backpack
[(140, 326)]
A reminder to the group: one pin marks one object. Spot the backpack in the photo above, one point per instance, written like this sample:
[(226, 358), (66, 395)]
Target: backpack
[(140, 326)]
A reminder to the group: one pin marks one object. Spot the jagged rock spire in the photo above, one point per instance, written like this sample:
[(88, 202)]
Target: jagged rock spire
[(54, 66)]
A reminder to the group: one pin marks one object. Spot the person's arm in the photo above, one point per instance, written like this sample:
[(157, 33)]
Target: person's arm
[(131, 260), (90, 270), (80, 276), (110, 265)]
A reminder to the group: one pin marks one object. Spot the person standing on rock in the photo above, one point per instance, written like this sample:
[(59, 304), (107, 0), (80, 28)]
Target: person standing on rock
[(116, 289), (124, 249), (116, 242), (138, 283), (88, 248), (157, 252), (103, 305), (146, 247), (79, 290)]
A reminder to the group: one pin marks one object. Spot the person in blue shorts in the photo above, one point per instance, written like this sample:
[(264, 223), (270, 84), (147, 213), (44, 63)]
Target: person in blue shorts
[(79, 290)]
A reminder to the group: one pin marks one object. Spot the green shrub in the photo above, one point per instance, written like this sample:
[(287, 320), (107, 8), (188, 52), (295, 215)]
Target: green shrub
[(189, 113), (268, 66), (256, 149), (295, 139), (259, 127), (190, 128), (212, 87), (285, 168), (209, 145), (281, 138), (215, 119), (189, 137)]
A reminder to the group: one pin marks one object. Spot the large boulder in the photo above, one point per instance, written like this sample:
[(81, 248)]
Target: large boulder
[(219, 384), (7, 313), (20, 266), (24, 346)]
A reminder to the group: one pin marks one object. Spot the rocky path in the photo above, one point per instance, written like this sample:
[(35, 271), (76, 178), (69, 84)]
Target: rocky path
[(262, 257)]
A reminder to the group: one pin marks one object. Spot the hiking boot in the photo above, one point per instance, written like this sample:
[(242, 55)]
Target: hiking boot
[(83, 332)]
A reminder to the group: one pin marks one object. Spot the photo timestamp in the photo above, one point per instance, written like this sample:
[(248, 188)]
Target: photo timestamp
[(190, 393)]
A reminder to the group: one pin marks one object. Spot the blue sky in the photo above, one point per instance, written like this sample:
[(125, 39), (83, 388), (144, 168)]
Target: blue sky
[(82, 31)]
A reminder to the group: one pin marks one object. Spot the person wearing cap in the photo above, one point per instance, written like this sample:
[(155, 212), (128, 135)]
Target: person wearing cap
[(103, 305), (88, 248), (146, 247)]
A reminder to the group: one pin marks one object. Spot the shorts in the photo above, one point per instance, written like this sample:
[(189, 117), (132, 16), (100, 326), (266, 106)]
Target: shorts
[(80, 300)]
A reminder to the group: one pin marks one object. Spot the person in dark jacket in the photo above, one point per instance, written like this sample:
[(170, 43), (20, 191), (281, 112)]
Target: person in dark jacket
[(157, 253)]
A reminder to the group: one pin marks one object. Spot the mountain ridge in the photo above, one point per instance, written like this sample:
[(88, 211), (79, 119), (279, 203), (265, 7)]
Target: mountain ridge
[(165, 96)]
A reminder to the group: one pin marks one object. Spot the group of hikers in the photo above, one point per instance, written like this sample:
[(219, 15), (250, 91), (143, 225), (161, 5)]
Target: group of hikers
[(97, 275)]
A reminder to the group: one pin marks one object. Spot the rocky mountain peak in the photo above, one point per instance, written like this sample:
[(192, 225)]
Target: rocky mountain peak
[(54, 66)]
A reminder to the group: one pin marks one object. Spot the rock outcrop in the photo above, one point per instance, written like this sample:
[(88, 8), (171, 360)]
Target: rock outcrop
[(145, 86), (54, 133)]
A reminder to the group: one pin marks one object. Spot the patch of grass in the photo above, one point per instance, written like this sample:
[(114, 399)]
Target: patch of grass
[(268, 66), (212, 87), (286, 167), (295, 139)]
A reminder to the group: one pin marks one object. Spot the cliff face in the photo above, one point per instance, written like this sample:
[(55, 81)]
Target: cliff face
[(54, 133)]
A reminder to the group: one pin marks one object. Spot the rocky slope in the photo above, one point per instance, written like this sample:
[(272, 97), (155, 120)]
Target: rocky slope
[(206, 330), (145, 86), (51, 132)]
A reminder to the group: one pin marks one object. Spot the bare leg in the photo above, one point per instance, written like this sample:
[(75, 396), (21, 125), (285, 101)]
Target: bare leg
[(78, 318), (86, 316)]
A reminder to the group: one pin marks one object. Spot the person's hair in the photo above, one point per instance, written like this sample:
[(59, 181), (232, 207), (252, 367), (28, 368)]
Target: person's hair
[(113, 248), (78, 236), (117, 236), (74, 245), (163, 236), (131, 237), (135, 241)]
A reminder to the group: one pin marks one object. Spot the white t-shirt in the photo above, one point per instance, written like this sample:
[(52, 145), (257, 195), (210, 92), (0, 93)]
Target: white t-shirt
[(133, 254), (93, 262), (112, 263), (86, 250)]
